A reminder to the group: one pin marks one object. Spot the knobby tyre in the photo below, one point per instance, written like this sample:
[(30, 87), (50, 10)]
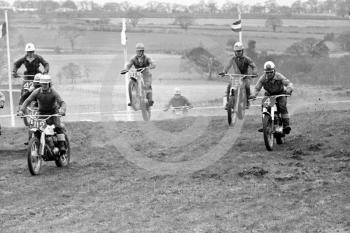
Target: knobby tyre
[(33, 158), (267, 129)]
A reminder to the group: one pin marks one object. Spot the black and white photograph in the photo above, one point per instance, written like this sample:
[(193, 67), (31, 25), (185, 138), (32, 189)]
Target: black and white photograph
[(165, 116)]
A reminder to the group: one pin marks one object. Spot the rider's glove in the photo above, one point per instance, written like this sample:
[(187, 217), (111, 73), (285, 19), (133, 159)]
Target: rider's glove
[(123, 71), (61, 112), (2, 103), (20, 113), (289, 90), (14, 74)]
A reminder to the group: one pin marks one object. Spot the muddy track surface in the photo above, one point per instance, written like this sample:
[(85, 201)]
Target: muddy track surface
[(301, 186)]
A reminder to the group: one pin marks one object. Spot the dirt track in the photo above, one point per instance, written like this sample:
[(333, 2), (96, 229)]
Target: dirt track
[(302, 186)]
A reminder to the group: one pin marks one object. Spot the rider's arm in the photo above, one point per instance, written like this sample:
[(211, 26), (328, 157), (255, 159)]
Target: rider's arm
[(187, 103), (252, 66), (228, 66), (45, 64), (59, 100), (258, 85), (29, 99), (130, 64), (288, 84), (17, 64), (151, 63)]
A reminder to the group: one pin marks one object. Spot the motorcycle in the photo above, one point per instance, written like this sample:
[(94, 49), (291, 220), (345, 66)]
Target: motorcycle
[(43, 145), (179, 111), (137, 92), (235, 99), (272, 121), (27, 87)]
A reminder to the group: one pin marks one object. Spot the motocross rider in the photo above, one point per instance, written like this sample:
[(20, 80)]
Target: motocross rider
[(32, 62), (178, 100), (141, 61), (240, 64), (49, 102), (275, 83)]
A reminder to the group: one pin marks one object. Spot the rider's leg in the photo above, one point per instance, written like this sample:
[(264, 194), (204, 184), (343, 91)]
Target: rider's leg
[(148, 85), (130, 96), (61, 138), (282, 109), (247, 91), (228, 89)]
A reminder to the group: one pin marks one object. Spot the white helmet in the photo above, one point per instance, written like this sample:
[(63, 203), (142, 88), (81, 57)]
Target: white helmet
[(177, 91), (37, 78), (269, 66), (238, 46), (45, 78), (30, 47)]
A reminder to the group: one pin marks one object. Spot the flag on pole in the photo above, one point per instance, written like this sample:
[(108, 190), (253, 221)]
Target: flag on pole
[(2, 30), (236, 26), (122, 34)]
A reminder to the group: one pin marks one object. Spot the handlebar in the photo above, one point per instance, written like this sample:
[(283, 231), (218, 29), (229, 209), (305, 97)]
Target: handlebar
[(38, 116), (137, 70), (273, 96), (222, 74)]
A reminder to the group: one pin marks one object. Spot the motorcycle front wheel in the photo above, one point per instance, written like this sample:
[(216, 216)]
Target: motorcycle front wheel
[(230, 109), (267, 129), (146, 111), (33, 158)]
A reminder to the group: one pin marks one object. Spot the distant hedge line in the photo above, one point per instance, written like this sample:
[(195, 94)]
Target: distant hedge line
[(302, 69)]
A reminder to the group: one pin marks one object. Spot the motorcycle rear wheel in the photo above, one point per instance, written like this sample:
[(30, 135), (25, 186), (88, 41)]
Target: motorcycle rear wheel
[(267, 130), (146, 111), (64, 160), (34, 160)]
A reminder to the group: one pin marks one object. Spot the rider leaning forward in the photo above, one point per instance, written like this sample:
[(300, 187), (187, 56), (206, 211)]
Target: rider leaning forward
[(49, 103), (275, 83), (241, 64), (178, 100), (143, 61), (32, 62)]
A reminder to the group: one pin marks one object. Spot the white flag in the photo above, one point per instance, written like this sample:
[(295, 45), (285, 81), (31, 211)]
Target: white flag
[(122, 34)]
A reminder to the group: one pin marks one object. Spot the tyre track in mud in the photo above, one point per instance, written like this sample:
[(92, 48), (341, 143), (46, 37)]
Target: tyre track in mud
[(305, 187)]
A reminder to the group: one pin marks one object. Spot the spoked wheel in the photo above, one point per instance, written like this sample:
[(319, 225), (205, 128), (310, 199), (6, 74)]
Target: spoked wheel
[(268, 135), (231, 116), (133, 93), (64, 159), (33, 158), (146, 111), (242, 103)]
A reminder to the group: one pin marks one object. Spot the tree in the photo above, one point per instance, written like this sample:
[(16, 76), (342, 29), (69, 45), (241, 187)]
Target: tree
[(112, 7), (71, 33), (184, 21), (212, 6), (229, 7), (69, 4), (70, 71), (295, 49), (274, 22), (344, 41), (47, 6), (4, 4), (134, 15)]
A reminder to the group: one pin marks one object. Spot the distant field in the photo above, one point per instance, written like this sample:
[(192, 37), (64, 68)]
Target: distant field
[(248, 22)]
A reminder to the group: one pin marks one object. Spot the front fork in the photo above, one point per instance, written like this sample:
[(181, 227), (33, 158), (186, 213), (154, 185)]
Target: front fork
[(42, 144)]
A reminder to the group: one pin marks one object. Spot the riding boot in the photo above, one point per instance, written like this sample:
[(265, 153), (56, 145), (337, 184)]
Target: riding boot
[(61, 143), (62, 146), (286, 127), (149, 98)]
